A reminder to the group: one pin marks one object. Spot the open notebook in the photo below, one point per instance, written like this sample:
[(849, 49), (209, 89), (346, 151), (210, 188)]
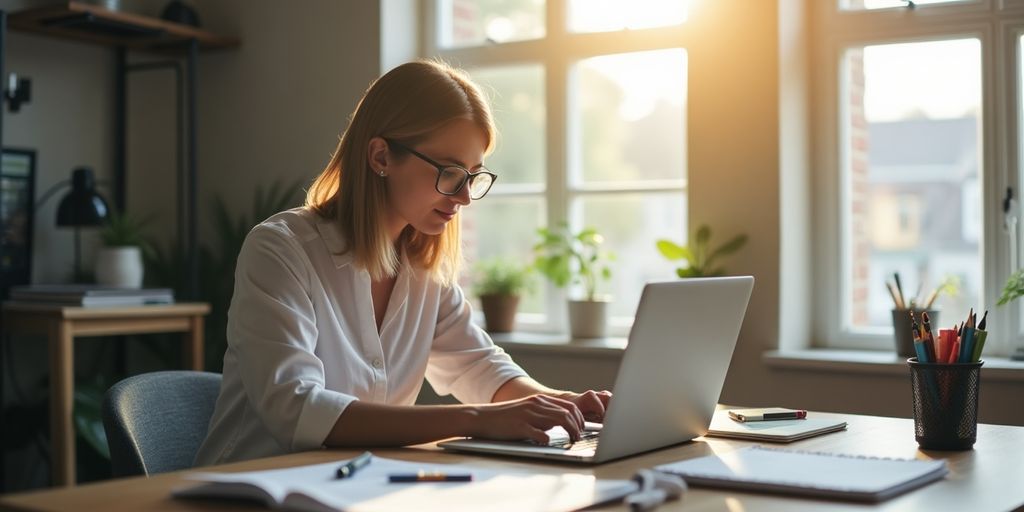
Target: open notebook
[(827, 475), (314, 488)]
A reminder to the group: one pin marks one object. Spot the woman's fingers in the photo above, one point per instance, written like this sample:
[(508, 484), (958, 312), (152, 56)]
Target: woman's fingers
[(572, 408), (557, 412), (537, 435), (592, 404)]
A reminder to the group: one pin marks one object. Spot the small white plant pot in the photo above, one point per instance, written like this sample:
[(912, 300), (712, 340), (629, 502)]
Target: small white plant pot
[(120, 267), (588, 319)]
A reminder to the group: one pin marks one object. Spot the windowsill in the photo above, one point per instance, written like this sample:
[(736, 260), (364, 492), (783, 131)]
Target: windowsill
[(523, 342), (874, 363)]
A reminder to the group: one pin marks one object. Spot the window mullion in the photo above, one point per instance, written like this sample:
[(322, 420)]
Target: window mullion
[(556, 72)]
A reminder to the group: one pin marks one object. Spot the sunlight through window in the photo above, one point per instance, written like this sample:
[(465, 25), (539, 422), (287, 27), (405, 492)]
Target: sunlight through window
[(610, 15)]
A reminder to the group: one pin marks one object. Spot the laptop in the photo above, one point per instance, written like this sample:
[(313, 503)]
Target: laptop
[(669, 381)]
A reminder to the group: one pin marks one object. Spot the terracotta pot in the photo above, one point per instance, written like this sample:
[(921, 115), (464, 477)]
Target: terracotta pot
[(499, 312)]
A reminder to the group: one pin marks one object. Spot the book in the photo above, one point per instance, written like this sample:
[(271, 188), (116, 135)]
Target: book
[(776, 431), (91, 295), (819, 474), (315, 488)]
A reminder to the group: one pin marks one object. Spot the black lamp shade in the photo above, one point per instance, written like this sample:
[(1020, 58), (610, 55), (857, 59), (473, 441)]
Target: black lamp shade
[(83, 206)]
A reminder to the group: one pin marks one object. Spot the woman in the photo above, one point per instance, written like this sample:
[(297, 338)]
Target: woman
[(342, 307)]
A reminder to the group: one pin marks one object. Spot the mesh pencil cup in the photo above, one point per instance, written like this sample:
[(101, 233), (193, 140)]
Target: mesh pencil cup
[(945, 404)]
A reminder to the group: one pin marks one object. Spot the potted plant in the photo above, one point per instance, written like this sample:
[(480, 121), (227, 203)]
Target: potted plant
[(119, 262), (1012, 290), (568, 258), (698, 257), (499, 283)]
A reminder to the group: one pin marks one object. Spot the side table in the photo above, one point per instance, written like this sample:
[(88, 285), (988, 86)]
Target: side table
[(62, 324)]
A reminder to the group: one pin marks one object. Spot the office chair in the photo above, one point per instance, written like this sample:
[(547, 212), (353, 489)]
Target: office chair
[(156, 421)]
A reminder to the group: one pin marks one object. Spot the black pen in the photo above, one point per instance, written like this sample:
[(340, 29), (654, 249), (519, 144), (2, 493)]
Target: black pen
[(349, 468)]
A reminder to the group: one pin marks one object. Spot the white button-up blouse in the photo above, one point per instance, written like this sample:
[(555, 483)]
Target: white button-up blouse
[(303, 342)]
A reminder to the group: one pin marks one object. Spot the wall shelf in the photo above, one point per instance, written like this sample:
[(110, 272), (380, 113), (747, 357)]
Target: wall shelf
[(94, 24)]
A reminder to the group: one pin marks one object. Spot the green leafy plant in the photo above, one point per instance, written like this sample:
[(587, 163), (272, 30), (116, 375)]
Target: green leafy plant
[(1013, 289), (950, 285), (565, 257), (124, 230), (500, 276), (699, 257)]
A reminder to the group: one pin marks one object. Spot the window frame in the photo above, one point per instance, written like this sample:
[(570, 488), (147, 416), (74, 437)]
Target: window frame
[(997, 25), (557, 52)]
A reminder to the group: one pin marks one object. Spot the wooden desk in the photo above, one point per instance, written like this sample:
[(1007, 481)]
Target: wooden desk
[(61, 324), (986, 478)]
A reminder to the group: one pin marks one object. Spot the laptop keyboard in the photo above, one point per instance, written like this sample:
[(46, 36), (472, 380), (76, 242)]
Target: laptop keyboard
[(588, 440)]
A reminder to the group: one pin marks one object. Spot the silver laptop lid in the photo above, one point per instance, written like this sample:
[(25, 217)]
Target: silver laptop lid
[(672, 373)]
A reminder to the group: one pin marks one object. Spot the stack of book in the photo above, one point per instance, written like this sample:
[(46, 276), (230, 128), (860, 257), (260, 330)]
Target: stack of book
[(85, 295)]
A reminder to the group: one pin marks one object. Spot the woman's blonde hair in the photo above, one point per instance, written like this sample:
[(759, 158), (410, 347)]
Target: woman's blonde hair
[(406, 105)]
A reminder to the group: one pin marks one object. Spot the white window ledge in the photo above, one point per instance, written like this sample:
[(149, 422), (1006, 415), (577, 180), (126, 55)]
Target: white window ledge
[(875, 362), (523, 342)]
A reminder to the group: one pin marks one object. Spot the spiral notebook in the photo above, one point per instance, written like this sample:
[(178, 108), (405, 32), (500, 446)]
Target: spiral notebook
[(825, 475)]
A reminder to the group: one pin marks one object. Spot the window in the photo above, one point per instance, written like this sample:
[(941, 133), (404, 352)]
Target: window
[(590, 102), (912, 137)]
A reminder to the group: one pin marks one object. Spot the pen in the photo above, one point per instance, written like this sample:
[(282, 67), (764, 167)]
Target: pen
[(766, 416), (431, 476), (349, 468)]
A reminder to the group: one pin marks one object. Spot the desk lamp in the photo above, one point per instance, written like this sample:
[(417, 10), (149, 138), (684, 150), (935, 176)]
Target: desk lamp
[(81, 207)]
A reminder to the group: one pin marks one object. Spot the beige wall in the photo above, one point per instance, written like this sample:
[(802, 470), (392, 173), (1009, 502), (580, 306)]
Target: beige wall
[(274, 108), (734, 160)]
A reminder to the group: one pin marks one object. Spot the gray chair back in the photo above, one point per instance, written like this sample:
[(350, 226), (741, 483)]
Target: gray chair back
[(155, 422)]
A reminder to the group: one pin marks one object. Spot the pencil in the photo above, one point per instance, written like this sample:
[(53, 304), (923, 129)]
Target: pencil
[(899, 288), (895, 298)]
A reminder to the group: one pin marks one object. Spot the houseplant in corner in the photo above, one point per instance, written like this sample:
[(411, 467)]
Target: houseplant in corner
[(699, 257), (566, 258), (119, 262), (500, 283)]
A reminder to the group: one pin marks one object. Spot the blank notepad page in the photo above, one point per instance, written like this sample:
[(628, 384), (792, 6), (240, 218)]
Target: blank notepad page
[(809, 473)]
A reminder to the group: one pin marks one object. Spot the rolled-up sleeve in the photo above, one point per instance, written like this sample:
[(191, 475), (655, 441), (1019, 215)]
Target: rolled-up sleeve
[(464, 361), (272, 331)]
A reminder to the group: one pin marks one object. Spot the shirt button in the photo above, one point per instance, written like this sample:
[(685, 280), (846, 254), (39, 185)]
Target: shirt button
[(378, 364)]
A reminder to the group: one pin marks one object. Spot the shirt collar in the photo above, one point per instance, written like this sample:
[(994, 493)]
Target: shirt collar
[(334, 241)]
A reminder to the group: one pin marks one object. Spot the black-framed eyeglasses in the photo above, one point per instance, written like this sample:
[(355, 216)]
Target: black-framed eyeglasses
[(451, 178)]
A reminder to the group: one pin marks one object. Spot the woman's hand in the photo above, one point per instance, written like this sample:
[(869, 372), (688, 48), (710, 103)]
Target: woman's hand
[(528, 418), (591, 403)]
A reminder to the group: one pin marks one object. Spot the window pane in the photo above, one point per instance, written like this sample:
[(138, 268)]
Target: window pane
[(911, 185), (476, 22), (608, 15), (860, 5), (631, 224), (517, 100), (630, 116), (504, 227)]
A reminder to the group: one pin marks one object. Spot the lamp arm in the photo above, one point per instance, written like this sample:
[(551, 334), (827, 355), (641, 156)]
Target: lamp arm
[(49, 193)]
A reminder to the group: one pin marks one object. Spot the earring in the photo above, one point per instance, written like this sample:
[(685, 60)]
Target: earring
[(381, 174)]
